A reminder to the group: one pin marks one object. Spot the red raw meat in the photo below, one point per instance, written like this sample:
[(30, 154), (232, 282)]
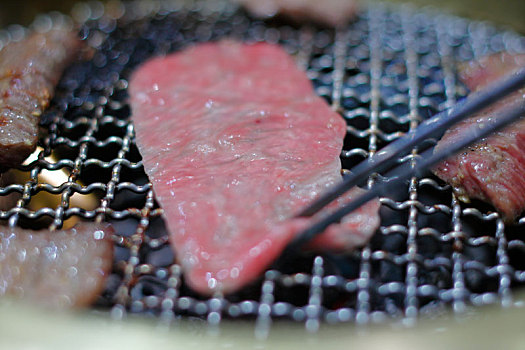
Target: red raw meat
[(492, 170), (235, 142)]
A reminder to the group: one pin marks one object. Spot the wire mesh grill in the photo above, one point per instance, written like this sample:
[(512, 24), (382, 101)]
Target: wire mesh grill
[(386, 71)]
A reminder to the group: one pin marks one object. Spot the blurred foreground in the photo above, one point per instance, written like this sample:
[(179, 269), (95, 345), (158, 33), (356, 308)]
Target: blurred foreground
[(507, 13)]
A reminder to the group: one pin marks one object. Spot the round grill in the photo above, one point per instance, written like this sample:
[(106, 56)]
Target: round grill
[(386, 71)]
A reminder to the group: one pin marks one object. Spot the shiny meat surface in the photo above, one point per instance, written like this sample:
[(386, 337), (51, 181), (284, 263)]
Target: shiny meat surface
[(493, 170), (57, 269), (235, 142), (29, 71), (327, 12)]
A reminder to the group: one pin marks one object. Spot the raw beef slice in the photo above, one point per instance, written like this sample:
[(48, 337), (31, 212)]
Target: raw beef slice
[(235, 142)]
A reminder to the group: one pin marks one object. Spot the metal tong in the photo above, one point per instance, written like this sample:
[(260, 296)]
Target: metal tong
[(388, 157)]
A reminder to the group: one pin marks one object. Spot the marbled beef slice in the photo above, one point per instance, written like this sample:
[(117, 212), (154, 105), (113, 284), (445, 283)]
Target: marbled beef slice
[(235, 142)]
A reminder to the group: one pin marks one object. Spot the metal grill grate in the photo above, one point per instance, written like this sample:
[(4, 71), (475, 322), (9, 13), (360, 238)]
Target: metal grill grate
[(386, 71)]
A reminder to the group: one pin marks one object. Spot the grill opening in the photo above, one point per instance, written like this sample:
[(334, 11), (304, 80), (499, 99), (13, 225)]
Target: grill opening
[(387, 70)]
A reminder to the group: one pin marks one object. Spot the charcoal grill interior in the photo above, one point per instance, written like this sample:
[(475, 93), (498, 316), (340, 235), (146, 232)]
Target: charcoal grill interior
[(385, 71)]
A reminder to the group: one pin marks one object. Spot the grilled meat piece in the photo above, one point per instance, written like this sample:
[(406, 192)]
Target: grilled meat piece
[(493, 170), (57, 269), (29, 71), (327, 12), (235, 142)]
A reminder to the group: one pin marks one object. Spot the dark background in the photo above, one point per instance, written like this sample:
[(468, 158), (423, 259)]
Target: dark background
[(507, 13)]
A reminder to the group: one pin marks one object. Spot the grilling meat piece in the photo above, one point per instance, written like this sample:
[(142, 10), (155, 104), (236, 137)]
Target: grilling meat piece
[(29, 71), (493, 170), (57, 269), (327, 12), (235, 142)]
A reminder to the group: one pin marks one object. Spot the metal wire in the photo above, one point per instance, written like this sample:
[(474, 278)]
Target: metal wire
[(385, 72)]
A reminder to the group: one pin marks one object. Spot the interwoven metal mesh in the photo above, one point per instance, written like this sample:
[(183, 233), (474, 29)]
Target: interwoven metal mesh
[(386, 71)]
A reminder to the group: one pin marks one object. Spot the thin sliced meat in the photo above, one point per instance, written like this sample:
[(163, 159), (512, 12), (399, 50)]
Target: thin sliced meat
[(327, 12), (493, 170), (58, 269), (235, 142), (29, 71)]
